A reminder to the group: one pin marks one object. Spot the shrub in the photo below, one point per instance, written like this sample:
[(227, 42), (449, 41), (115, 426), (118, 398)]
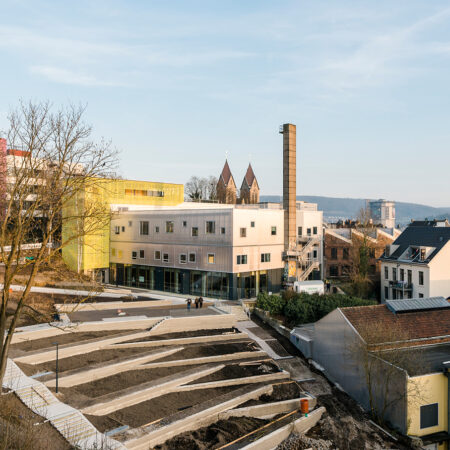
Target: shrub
[(306, 308)]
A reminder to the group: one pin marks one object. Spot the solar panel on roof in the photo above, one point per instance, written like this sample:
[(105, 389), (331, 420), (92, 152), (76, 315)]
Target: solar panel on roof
[(417, 304)]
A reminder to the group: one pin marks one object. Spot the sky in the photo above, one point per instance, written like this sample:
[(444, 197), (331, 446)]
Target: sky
[(179, 86)]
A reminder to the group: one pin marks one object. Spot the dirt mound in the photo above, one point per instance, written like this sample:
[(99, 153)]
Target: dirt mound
[(301, 442), (215, 435)]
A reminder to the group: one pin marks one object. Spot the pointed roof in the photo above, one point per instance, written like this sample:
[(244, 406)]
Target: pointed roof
[(250, 176), (226, 173)]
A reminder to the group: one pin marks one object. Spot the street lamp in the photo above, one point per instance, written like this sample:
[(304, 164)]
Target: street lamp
[(56, 371)]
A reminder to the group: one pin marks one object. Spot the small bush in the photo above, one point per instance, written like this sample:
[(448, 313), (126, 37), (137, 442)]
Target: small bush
[(306, 308)]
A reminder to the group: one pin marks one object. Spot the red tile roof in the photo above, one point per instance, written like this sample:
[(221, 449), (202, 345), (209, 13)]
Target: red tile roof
[(429, 324)]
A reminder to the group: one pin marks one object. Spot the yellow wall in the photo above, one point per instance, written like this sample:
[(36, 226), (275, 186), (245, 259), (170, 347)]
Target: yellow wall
[(92, 251), (434, 389)]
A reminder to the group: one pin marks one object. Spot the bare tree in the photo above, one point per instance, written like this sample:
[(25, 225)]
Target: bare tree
[(44, 198), (198, 189), (384, 360)]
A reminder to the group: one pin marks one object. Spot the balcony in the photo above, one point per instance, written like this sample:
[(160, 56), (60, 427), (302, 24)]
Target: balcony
[(401, 285)]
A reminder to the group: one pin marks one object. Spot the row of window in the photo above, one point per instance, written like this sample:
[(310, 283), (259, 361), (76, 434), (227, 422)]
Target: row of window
[(401, 274), (346, 253), (398, 294), (308, 231)]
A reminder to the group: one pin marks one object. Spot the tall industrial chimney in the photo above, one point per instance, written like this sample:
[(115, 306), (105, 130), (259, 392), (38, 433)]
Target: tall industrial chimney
[(289, 185)]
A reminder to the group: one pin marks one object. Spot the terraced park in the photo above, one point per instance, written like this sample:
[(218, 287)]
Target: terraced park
[(140, 383)]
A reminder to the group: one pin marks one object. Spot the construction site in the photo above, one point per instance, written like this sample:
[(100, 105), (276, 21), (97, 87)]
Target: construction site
[(170, 378)]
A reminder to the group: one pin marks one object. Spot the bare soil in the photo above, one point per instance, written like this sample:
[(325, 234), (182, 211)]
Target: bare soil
[(17, 429), (160, 407), (236, 371), (214, 436), (85, 360), (67, 338), (202, 351), (185, 334), (119, 381), (281, 391)]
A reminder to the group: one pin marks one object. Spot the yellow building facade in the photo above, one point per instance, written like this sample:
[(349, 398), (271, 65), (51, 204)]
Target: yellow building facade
[(433, 390), (88, 250)]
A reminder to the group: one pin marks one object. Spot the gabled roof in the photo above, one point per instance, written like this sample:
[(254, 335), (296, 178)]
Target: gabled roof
[(431, 325), (226, 173), (250, 176), (425, 236)]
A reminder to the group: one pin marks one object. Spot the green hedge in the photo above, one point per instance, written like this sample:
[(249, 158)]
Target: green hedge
[(305, 308)]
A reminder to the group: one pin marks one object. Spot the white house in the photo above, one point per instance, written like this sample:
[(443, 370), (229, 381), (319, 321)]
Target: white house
[(417, 263)]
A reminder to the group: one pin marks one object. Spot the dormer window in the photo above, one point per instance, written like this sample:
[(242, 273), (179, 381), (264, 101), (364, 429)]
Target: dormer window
[(422, 254)]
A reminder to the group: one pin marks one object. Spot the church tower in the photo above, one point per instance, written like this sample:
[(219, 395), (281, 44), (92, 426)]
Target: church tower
[(249, 188), (226, 187)]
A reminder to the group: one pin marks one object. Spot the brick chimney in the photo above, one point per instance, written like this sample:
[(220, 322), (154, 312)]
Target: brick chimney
[(289, 185)]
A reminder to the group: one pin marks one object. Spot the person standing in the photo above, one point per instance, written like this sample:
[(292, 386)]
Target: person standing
[(188, 304), (196, 302), (200, 300)]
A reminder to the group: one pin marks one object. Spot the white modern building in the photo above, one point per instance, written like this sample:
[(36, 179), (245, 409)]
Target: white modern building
[(417, 263), (214, 250), (383, 213)]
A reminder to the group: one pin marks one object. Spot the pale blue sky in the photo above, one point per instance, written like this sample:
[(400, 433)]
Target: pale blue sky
[(176, 84)]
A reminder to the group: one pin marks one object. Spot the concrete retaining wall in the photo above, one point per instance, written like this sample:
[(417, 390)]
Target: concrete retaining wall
[(100, 306), (193, 422), (101, 409), (271, 440), (275, 324), (73, 350), (179, 324), (268, 410), (204, 360), (102, 372), (236, 381)]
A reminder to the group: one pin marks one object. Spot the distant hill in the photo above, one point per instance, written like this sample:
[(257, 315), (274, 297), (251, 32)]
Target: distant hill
[(335, 208)]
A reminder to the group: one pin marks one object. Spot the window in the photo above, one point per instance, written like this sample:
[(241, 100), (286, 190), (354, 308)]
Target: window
[(241, 259), (308, 231), (315, 254), (333, 253), (117, 230), (402, 274), (156, 229), (429, 415), (422, 254), (372, 269), (371, 253), (183, 258), (222, 230), (314, 230), (133, 255), (169, 226), (420, 295), (394, 274), (243, 232), (334, 271), (123, 229), (386, 273), (143, 228), (120, 254), (141, 254), (420, 278), (345, 253), (210, 227), (265, 257), (130, 223), (273, 231), (157, 255), (194, 231), (386, 292), (165, 257), (299, 231), (184, 224), (211, 257), (409, 276), (192, 257), (113, 252), (252, 224)]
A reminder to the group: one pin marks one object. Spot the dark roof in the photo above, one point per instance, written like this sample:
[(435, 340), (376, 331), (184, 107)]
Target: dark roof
[(250, 176), (226, 173), (417, 304), (426, 236), (423, 360), (430, 324), (427, 223)]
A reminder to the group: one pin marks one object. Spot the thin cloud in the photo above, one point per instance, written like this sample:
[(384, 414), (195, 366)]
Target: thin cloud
[(64, 76)]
